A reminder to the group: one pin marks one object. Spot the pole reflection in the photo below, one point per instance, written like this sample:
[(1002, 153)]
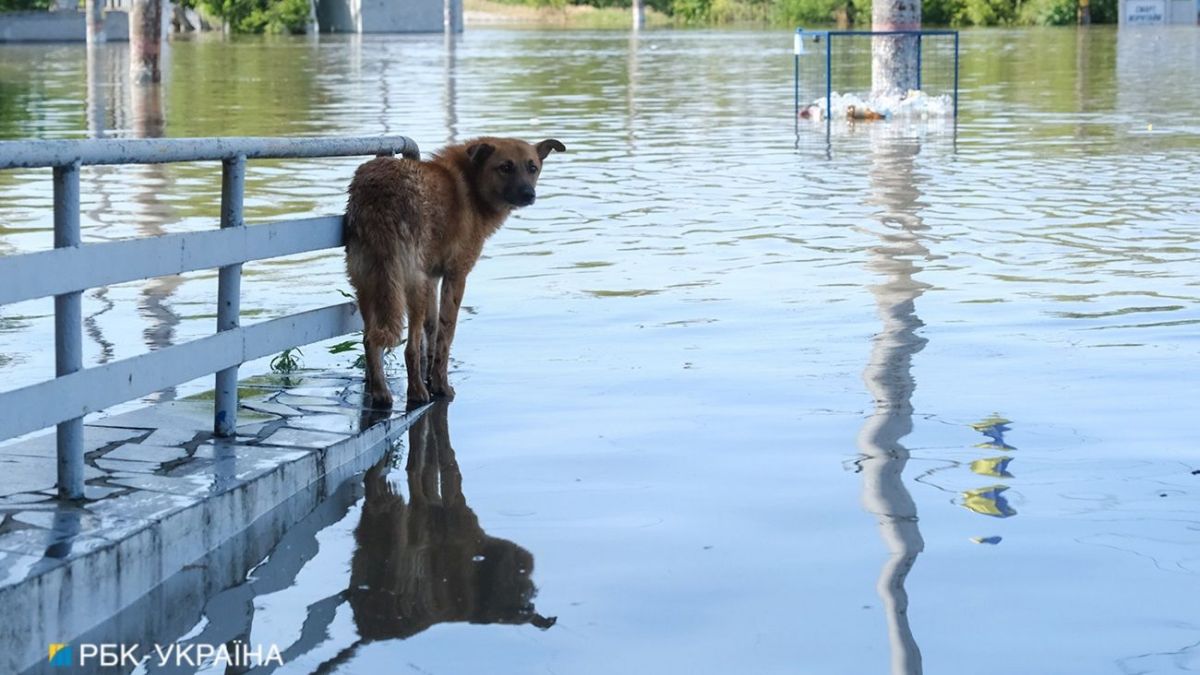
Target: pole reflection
[(888, 377), (151, 213), (450, 85)]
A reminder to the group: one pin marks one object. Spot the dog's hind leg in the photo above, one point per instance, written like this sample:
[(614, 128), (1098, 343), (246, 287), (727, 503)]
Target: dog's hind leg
[(431, 326), (418, 393), (376, 385), (453, 287), (382, 305)]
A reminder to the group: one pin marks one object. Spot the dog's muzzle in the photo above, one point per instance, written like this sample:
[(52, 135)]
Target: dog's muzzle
[(523, 196)]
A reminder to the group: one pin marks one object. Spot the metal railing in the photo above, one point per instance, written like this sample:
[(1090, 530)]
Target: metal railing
[(72, 267)]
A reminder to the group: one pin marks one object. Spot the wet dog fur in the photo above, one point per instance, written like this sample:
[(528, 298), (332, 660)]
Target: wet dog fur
[(411, 224)]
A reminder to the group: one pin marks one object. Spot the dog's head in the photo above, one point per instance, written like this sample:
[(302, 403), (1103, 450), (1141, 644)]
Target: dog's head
[(507, 169)]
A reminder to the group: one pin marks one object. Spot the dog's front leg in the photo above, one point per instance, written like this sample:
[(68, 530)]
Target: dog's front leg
[(453, 286)]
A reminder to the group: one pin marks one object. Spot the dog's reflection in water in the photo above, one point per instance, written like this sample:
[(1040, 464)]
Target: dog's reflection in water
[(425, 560)]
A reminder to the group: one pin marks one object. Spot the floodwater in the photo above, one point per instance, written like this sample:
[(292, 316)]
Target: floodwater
[(732, 399)]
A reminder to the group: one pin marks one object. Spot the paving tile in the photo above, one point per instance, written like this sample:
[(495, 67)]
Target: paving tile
[(31, 474), (47, 445), (188, 486), (23, 498), (335, 423), (328, 408), (269, 407), (296, 401), (303, 439), (77, 519), (97, 492), (223, 450), (329, 391), (128, 466), (142, 505), (184, 415), (141, 452), (171, 436), (57, 544)]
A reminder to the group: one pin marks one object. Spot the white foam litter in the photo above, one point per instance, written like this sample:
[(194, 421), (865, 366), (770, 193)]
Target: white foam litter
[(912, 105)]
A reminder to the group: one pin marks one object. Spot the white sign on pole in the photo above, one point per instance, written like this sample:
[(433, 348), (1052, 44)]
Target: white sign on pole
[(1145, 12)]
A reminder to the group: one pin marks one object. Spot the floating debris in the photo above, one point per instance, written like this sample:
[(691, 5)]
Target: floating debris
[(987, 540), (913, 105)]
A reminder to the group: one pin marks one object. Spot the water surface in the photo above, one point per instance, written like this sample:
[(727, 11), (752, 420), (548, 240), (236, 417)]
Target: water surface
[(730, 399)]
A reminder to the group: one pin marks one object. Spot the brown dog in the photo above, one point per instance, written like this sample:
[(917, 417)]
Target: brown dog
[(410, 224)]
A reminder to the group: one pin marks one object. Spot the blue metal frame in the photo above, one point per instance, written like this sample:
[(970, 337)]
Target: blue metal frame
[(828, 34)]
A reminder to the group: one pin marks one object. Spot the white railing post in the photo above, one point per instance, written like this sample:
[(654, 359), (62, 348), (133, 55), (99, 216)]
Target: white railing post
[(229, 289), (68, 330)]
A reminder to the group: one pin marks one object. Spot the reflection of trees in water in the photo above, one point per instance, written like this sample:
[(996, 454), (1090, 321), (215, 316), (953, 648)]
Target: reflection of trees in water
[(888, 377)]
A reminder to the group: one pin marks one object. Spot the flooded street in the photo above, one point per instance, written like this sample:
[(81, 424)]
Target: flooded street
[(729, 400)]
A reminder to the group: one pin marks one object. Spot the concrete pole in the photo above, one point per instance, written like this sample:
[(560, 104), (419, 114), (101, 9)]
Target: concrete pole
[(145, 41), (452, 16), (639, 14), (894, 57), (95, 22), (313, 26)]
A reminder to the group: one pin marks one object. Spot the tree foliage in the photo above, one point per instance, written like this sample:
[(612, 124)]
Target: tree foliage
[(257, 16), (23, 5), (858, 12)]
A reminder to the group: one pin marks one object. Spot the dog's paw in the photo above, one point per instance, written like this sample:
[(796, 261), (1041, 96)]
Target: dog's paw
[(417, 397), (442, 389), (380, 399)]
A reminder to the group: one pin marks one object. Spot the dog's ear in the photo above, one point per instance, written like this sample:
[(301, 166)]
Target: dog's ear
[(479, 152), (544, 148)]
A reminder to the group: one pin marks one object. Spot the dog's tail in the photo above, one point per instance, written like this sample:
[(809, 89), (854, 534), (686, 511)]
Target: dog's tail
[(378, 281), (387, 315)]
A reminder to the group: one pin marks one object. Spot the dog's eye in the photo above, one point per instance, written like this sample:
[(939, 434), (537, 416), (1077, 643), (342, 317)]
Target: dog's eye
[(533, 168), (507, 167)]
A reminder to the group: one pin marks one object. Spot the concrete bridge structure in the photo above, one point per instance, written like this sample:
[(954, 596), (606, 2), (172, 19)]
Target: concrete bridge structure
[(67, 23)]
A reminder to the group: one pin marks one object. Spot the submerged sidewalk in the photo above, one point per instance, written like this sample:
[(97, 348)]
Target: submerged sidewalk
[(163, 493)]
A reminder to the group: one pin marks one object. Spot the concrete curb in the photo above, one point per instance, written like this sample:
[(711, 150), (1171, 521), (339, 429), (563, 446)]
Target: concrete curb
[(56, 587)]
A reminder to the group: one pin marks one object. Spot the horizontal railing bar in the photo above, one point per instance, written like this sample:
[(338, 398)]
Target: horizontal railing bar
[(66, 270), (29, 154), (86, 391)]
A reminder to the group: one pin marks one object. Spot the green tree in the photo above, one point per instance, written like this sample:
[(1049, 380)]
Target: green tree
[(24, 5), (257, 16)]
